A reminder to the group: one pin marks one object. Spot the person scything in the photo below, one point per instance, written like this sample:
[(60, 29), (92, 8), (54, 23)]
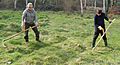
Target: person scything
[(29, 19), (100, 26)]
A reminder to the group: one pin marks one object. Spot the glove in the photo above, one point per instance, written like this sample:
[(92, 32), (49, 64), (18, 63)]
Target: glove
[(100, 28)]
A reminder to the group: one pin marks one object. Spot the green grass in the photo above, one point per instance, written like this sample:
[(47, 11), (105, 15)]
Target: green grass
[(66, 40)]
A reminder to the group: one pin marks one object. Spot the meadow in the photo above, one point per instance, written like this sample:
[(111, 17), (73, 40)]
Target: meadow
[(66, 40)]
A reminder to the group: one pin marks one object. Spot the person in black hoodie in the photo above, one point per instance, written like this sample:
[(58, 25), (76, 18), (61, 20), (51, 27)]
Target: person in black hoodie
[(99, 25)]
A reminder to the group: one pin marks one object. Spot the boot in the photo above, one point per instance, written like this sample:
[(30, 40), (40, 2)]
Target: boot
[(93, 44), (37, 39)]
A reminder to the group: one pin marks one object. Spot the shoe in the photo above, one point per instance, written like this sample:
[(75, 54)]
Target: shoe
[(38, 40)]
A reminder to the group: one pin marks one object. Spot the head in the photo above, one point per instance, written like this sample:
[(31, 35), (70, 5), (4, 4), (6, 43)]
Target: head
[(99, 12), (30, 6)]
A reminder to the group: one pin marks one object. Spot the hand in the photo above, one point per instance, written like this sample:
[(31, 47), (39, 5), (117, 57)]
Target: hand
[(110, 21), (23, 26), (100, 28), (36, 24)]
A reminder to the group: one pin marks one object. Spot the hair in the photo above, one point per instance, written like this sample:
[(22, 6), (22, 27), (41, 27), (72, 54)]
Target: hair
[(29, 4), (99, 11)]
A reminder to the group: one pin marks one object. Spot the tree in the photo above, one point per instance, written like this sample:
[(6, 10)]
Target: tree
[(81, 6), (15, 4), (95, 4), (85, 4), (111, 3), (68, 5), (26, 2), (34, 3), (106, 5), (104, 8)]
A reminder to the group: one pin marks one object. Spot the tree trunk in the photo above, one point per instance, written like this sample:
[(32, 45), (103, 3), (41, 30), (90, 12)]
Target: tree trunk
[(95, 4), (67, 6), (111, 3), (81, 5), (34, 3), (104, 8), (43, 1), (56, 2), (85, 4), (107, 5), (15, 4), (26, 2)]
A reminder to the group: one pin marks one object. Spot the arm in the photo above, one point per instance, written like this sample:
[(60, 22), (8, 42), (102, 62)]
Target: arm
[(35, 18), (23, 23), (23, 17), (106, 18), (95, 22)]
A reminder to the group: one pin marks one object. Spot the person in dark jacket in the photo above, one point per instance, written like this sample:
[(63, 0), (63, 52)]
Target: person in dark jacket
[(29, 19), (99, 25)]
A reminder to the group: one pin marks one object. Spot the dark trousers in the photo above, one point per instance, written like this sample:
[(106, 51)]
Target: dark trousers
[(27, 25), (96, 34)]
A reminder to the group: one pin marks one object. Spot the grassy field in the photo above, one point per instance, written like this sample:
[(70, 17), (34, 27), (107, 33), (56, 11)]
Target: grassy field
[(66, 40)]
